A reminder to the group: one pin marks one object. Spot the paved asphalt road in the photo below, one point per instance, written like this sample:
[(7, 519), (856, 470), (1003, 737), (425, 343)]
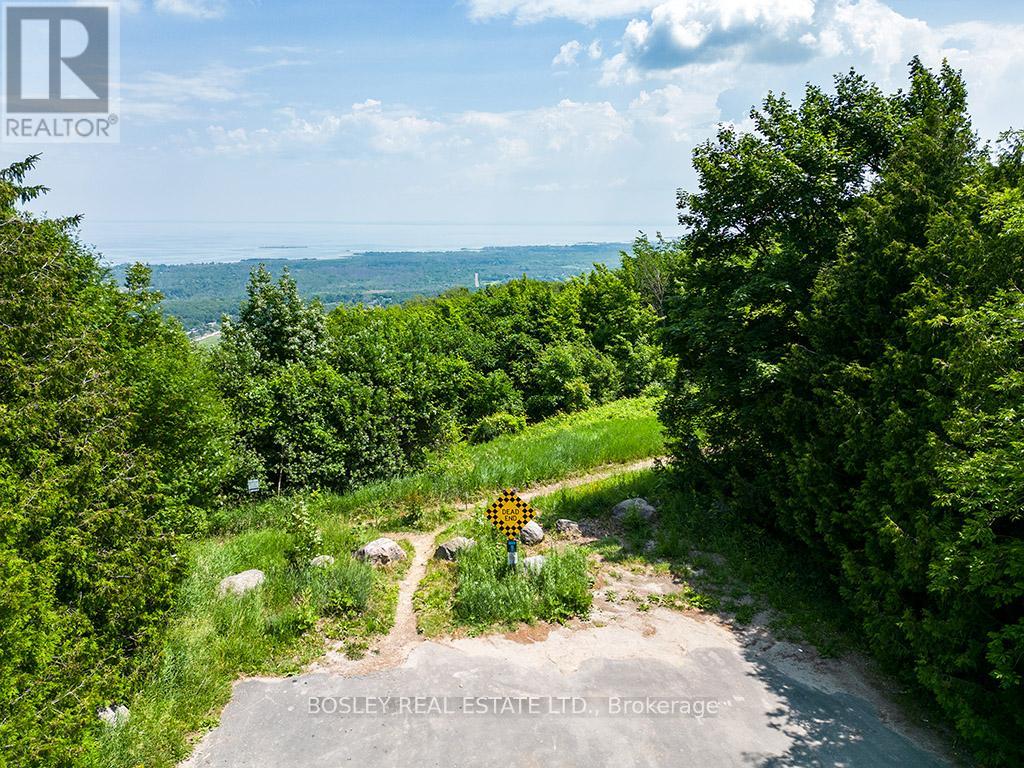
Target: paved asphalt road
[(735, 704)]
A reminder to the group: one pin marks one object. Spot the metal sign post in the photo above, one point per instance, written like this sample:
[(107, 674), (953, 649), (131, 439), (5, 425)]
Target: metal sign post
[(510, 514)]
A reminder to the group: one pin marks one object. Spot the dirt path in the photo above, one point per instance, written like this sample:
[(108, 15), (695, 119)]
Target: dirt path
[(393, 649)]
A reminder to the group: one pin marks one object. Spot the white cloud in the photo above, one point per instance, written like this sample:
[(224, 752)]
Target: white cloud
[(681, 115), (277, 49), (594, 50), (481, 143), (195, 9), (167, 96), (586, 11), (566, 56), (685, 32), (689, 38)]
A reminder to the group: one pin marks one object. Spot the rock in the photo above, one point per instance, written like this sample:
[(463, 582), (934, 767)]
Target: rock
[(714, 557), (643, 509), (451, 548), (533, 564), (568, 527), (322, 561), (241, 583), (381, 552), (650, 547), (115, 716), (532, 533)]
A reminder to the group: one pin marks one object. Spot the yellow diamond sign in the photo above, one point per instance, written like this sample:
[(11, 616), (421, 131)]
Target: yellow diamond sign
[(510, 514)]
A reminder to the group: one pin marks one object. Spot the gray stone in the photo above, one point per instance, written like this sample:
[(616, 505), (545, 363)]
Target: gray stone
[(533, 564), (381, 552), (241, 583), (322, 561), (643, 508), (569, 527), (114, 716), (451, 548), (532, 533), (713, 557), (650, 547)]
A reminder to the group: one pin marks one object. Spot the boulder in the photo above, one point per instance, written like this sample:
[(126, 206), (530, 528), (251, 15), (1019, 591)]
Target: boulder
[(533, 564), (451, 548), (241, 583), (380, 552), (643, 509), (532, 533), (713, 557), (114, 716), (322, 561), (568, 527)]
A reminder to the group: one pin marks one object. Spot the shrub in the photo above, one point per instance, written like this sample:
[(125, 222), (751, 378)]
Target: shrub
[(307, 541), (496, 425)]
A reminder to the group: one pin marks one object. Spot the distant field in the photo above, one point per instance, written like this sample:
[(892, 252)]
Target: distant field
[(200, 293)]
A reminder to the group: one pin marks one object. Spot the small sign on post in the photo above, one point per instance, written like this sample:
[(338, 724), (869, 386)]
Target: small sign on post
[(510, 514), (253, 485)]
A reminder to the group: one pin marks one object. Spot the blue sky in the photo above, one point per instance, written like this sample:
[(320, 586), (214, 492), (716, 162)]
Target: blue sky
[(479, 111)]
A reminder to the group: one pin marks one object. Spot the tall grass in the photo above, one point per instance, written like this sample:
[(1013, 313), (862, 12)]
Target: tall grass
[(212, 640), (489, 592), (619, 432), (479, 590)]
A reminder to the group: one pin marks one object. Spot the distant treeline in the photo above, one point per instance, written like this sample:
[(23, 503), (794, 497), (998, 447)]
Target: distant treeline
[(848, 323), (198, 294)]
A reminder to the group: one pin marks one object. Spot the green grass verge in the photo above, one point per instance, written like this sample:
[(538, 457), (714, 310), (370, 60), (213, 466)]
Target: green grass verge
[(479, 591), (211, 641), (724, 564), (619, 432)]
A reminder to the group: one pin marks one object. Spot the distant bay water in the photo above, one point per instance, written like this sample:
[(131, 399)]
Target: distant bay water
[(183, 242), (202, 269)]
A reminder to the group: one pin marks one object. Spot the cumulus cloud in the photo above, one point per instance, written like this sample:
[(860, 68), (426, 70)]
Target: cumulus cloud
[(690, 36), (680, 33), (566, 56)]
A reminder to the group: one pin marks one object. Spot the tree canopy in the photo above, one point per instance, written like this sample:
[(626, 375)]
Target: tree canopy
[(848, 331)]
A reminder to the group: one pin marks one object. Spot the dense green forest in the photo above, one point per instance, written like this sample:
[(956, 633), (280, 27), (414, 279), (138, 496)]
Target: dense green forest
[(840, 335), (848, 322), (200, 294)]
